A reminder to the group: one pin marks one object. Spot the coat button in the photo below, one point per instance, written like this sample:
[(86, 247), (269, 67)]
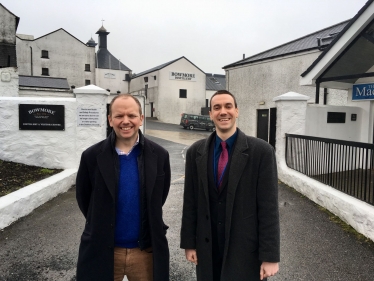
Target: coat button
[(206, 240), (219, 222)]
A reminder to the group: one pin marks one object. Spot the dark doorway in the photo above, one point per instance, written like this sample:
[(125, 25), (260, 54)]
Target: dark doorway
[(263, 124), (151, 103), (273, 123)]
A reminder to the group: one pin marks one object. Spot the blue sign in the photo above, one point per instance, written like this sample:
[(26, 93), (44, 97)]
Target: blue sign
[(363, 92)]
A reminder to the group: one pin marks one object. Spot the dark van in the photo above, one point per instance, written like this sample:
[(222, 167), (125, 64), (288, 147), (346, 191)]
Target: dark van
[(193, 121)]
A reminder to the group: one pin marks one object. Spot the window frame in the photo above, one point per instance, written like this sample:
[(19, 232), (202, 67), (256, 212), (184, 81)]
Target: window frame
[(182, 93), (44, 71), (45, 54)]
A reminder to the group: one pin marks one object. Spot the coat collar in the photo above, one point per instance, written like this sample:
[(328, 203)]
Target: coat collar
[(108, 163), (238, 160)]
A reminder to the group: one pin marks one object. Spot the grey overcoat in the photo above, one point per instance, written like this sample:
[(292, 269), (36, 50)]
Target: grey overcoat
[(252, 218)]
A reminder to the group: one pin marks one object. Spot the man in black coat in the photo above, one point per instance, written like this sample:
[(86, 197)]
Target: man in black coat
[(230, 223), (122, 184)]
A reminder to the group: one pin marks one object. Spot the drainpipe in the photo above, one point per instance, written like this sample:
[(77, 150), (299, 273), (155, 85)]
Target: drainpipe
[(31, 60)]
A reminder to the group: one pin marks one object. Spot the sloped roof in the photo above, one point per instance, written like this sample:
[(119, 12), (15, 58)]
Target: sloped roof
[(106, 60), (215, 82), (317, 40), (162, 66), (43, 82), (346, 27), (54, 32)]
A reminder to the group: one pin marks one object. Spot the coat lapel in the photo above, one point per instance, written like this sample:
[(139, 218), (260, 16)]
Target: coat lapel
[(238, 162), (106, 164), (150, 168), (202, 164)]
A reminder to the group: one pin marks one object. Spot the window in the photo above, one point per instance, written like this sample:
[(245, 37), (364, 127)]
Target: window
[(45, 54), (87, 67), (145, 79), (45, 71), (182, 93), (154, 77), (88, 82)]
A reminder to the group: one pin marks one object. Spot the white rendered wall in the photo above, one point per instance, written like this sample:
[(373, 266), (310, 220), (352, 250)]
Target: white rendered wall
[(67, 57), (291, 117), (137, 87), (317, 126), (115, 83), (168, 105), (50, 149), (8, 27), (8, 82), (164, 93), (367, 117), (208, 95), (43, 92), (261, 82)]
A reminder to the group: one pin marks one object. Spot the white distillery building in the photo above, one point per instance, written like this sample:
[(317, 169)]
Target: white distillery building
[(318, 91), (171, 89), (57, 54), (257, 79), (111, 73), (8, 58)]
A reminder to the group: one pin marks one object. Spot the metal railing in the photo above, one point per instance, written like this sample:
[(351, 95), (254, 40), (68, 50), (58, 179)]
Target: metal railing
[(344, 165)]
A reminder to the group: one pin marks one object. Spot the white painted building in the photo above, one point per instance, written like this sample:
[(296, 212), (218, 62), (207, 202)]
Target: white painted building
[(256, 80), (111, 73), (170, 89), (9, 23), (57, 54)]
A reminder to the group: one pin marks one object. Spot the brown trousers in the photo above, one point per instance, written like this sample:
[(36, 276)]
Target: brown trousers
[(137, 265)]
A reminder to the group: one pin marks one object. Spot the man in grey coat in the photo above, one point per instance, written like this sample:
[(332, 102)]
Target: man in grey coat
[(230, 223)]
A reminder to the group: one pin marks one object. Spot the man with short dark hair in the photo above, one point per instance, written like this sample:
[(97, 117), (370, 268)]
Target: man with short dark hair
[(230, 223), (122, 184)]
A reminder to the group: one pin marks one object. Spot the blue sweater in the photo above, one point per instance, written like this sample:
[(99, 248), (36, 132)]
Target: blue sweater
[(128, 201)]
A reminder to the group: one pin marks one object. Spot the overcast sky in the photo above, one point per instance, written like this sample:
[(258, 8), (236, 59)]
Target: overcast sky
[(210, 33)]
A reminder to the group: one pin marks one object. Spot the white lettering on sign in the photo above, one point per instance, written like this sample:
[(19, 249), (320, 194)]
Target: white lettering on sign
[(174, 75), (88, 117)]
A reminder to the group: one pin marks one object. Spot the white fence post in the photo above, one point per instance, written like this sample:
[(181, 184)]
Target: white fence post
[(91, 117), (291, 117)]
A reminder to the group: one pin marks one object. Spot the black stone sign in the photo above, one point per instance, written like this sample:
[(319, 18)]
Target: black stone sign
[(41, 117)]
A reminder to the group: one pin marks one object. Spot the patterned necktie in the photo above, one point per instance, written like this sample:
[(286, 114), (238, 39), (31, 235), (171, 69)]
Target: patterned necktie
[(222, 162)]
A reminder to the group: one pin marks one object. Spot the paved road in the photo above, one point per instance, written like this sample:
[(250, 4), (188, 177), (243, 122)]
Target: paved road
[(43, 245)]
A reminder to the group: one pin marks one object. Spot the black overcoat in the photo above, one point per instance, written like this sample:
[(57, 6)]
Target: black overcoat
[(96, 187), (252, 217)]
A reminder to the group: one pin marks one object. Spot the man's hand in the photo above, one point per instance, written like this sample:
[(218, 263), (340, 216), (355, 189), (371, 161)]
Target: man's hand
[(191, 255), (268, 269)]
